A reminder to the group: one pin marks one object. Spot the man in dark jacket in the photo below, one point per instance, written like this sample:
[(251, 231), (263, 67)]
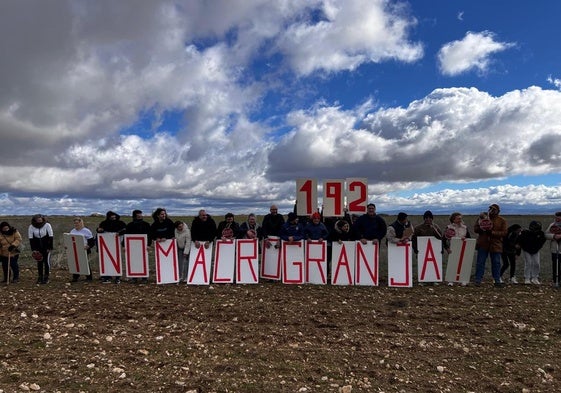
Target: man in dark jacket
[(112, 224), (370, 226), (203, 229)]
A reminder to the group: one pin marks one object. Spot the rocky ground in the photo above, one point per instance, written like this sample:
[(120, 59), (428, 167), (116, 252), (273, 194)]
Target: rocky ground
[(277, 338)]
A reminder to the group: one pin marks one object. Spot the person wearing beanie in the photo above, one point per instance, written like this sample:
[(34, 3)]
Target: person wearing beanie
[(401, 230), (41, 236), (10, 246), (490, 244), (427, 228), (292, 230), (553, 234), (315, 229)]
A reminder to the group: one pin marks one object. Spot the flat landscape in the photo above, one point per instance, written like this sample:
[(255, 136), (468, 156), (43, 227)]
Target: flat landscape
[(279, 338)]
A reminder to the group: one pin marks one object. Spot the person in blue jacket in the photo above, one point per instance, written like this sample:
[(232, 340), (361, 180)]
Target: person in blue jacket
[(292, 230), (370, 226), (315, 229)]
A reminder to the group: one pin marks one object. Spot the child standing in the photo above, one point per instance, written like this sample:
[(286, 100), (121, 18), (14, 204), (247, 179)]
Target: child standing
[(511, 249), (531, 240)]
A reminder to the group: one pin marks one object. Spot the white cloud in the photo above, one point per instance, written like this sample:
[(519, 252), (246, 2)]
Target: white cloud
[(474, 51), (554, 81)]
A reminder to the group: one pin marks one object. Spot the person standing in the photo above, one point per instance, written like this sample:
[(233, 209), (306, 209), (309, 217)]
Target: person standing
[(531, 241), (89, 243), (400, 231), (315, 229), (491, 233), (370, 226), (292, 230), (10, 246), (250, 229), (228, 229), (553, 234), (427, 228), (41, 237), (511, 249), (183, 239), (112, 224)]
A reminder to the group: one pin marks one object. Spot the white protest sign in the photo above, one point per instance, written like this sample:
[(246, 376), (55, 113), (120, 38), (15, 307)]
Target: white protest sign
[(306, 196), (333, 197), (76, 254), (429, 259), (271, 259), (167, 267), (343, 263), (367, 263), (109, 254), (293, 262), (136, 256), (400, 265), (357, 195), (316, 262), (224, 261), (460, 260), (200, 260), (247, 261)]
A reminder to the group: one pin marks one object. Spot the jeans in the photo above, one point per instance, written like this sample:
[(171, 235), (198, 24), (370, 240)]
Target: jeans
[(480, 265)]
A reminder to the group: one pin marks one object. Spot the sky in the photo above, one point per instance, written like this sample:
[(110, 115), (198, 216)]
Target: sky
[(222, 105)]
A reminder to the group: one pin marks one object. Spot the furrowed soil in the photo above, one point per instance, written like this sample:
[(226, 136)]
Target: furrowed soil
[(95, 337), (271, 337)]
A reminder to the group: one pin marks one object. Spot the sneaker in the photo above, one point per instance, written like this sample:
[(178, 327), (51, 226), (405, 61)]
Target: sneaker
[(106, 281), (450, 284), (74, 279), (527, 281), (499, 284), (45, 281), (501, 280), (117, 281), (477, 283), (513, 280), (15, 281), (464, 284), (535, 281)]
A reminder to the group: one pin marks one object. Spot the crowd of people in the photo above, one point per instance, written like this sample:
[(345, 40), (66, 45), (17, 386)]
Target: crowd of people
[(496, 241)]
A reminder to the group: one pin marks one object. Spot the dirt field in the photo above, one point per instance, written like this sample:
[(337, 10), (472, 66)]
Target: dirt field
[(272, 337)]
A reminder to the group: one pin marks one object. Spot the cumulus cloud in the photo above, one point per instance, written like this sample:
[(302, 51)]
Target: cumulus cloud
[(473, 52)]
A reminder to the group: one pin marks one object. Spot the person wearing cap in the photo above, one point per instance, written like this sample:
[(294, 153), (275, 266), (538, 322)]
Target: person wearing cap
[(315, 229), (553, 234), (400, 231), (370, 226), (292, 230), (427, 228), (490, 244)]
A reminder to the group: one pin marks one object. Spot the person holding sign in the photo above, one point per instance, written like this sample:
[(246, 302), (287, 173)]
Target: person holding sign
[(10, 243), (491, 233), (251, 229), (292, 230), (400, 231), (228, 229), (89, 243), (112, 224), (315, 229), (183, 238), (369, 226), (427, 228), (272, 225), (203, 229)]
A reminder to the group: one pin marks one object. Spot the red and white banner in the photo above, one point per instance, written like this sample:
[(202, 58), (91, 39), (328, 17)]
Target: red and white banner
[(76, 254), (136, 256), (109, 249), (271, 259), (200, 260), (429, 259), (167, 266), (316, 262), (306, 196), (293, 262), (357, 195), (343, 263), (400, 265), (224, 261), (460, 260)]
